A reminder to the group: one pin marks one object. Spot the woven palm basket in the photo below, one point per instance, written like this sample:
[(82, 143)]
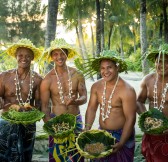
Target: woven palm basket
[(27, 117), (153, 113), (92, 137), (66, 118)]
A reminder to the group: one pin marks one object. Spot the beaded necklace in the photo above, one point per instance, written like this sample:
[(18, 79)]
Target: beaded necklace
[(18, 89), (105, 116), (60, 86), (155, 97)]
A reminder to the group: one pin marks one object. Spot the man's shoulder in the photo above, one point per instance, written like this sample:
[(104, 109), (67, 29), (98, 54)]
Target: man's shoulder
[(125, 87), (98, 83), (76, 72), (7, 72), (148, 77), (37, 75)]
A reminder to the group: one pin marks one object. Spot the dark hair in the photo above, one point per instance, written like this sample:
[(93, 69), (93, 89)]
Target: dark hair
[(24, 48), (64, 50)]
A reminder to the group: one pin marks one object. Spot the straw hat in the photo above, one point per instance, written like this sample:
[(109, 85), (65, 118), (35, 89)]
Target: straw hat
[(93, 64), (163, 49), (60, 44), (24, 43)]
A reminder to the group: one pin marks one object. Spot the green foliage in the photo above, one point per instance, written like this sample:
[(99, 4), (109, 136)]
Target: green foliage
[(134, 61), (21, 19), (7, 62), (79, 64)]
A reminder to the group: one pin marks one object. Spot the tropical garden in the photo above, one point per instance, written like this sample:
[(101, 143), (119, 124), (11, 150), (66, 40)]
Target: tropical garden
[(130, 27)]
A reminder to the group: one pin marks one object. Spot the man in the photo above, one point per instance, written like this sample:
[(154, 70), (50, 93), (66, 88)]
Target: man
[(19, 86), (117, 100), (65, 86), (153, 87)]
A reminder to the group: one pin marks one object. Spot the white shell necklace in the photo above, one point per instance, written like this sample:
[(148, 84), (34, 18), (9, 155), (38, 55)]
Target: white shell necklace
[(109, 106), (155, 97), (60, 86), (18, 89)]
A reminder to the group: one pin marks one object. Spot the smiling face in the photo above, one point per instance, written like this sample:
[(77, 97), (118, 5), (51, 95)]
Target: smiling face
[(108, 70), (59, 56), (162, 65), (24, 56)]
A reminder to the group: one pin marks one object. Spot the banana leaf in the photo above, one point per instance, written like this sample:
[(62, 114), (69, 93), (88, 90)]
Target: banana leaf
[(24, 118), (154, 113), (94, 136), (66, 118)]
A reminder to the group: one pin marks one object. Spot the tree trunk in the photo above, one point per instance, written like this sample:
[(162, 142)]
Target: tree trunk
[(121, 45), (165, 21), (93, 45), (98, 33), (80, 46), (102, 25), (81, 40), (51, 21), (143, 35), (161, 26), (109, 36), (98, 29)]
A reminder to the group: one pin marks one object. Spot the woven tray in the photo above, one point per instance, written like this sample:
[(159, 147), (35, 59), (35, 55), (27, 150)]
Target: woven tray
[(66, 118), (92, 137)]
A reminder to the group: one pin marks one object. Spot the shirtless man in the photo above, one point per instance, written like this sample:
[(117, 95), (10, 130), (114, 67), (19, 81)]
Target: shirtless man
[(117, 100), (64, 85), (154, 147), (29, 92)]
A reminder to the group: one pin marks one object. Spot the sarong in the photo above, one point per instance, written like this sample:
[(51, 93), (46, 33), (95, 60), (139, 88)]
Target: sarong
[(155, 148), (58, 147), (126, 154), (16, 142)]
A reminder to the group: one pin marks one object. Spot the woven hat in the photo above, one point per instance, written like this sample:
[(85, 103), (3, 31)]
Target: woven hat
[(163, 49), (93, 65), (24, 43), (60, 44)]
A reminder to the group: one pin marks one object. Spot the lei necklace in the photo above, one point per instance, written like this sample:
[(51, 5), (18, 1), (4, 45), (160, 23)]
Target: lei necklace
[(60, 86), (105, 116), (18, 89), (156, 95)]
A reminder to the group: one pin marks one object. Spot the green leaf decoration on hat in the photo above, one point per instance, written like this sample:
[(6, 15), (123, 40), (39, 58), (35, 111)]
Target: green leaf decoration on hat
[(59, 44), (24, 43), (93, 65), (163, 49)]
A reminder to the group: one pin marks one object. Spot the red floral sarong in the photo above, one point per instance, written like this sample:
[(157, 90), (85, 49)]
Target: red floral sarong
[(155, 148)]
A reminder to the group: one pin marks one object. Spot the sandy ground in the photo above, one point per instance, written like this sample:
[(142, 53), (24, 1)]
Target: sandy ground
[(132, 78)]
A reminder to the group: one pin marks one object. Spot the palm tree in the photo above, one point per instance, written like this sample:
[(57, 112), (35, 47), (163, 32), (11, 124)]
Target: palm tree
[(143, 35), (51, 21)]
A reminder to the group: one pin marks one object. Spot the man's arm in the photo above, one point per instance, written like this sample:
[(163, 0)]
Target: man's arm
[(82, 99), (45, 96), (81, 91), (37, 93), (91, 109), (142, 96), (129, 110)]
